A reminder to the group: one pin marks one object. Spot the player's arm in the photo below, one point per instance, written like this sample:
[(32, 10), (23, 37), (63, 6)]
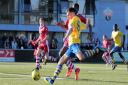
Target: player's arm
[(110, 39), (68, 32), (122, 37), (85, 25), (38, 39), (82, 19), (62, 25)]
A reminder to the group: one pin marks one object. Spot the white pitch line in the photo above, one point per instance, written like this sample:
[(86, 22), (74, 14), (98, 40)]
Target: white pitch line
[(84, 68), (21, 75), (17, 78), (15, 74)]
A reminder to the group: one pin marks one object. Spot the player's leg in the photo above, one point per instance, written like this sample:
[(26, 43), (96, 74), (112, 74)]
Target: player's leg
[(45, 47), (114, 49), (46, 57), (121, 56), (69, 63), (112, 57), (79, 54), (104, 57), (44, 54), (108, 58), (38, 58), (71, 67), (96, 50), (52, 58), (63, 50), (62, 61)]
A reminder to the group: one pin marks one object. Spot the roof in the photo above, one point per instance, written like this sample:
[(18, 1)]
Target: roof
[(34, 28)]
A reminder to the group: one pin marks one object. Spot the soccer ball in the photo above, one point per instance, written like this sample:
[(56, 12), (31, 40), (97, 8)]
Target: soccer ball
[(36, 75)]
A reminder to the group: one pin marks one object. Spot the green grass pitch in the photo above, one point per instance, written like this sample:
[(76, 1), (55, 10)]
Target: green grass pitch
[(90, 74)]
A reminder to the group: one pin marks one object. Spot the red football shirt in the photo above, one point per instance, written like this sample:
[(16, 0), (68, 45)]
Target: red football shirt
[(106, 43), (43, 31)]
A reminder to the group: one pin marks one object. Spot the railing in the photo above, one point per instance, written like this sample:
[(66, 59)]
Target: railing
[(27, 18)]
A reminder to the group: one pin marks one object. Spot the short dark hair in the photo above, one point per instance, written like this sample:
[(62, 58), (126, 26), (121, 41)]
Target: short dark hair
[(76, 7), (42, 19), (71, 9), (115, 25), (116, 28)]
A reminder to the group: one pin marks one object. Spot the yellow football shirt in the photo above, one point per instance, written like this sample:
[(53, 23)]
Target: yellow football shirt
[(116, 36), (77, 26)]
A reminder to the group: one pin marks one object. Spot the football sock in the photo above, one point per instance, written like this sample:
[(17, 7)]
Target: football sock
[(90, 53), (37, 62), (104, 58), (69, 64), (51, 58), (57, 72)]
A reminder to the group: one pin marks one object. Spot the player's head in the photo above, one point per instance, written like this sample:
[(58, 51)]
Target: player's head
[(41, 21), (115, 27), (70, 12), (104, 37), (76, 7)]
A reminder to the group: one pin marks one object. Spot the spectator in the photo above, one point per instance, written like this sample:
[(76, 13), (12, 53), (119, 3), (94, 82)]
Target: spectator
[(14, 44), (6, 43), (4, 38), (54, 43)]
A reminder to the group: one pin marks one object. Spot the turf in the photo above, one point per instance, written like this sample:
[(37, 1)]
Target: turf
[(90, 74)]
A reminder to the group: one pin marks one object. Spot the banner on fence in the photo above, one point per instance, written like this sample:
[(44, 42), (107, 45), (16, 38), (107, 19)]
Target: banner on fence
[(7, 55)]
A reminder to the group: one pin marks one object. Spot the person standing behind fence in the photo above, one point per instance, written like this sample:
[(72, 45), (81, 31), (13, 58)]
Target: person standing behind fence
[(116, 37), (14, 44)]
